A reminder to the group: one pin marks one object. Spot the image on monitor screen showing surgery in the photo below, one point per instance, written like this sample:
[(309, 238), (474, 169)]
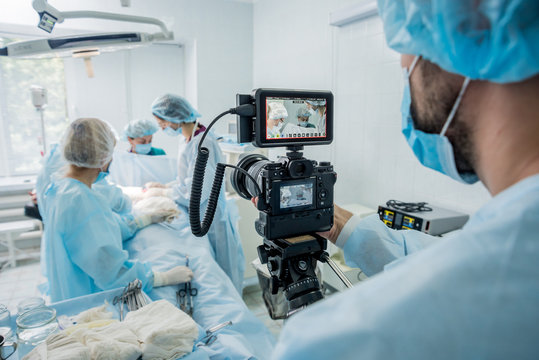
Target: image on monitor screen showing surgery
[(295, 118), (296, 195)]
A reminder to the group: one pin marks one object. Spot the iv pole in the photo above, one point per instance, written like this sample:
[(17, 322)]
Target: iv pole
[(39, 100)]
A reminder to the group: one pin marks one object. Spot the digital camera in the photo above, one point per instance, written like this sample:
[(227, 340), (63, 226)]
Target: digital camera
[(296, 194)]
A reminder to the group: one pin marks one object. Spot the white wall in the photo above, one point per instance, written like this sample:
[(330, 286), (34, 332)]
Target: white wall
[(124, 85), (295, 47), (217, 36)]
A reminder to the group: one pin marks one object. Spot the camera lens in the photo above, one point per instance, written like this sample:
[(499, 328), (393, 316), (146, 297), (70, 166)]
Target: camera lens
[(252, 164)]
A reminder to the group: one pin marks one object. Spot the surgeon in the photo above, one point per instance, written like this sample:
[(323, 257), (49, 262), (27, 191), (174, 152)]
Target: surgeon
[(176, 116), (277, 125), (276, 116), (469, 111), (318, 108), (139, 134), (84, 240), (303, 114)]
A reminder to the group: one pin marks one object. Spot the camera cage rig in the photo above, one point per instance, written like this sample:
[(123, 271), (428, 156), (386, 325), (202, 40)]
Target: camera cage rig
[(291, 261)]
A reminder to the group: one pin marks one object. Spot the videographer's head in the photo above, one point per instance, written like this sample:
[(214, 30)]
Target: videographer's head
[(471, 76)]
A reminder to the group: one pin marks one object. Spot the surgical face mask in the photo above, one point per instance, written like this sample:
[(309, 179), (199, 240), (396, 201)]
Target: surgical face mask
[(432, 150), (302, 123), (143, 148), (171, 132), (278, 127), (102, 175)]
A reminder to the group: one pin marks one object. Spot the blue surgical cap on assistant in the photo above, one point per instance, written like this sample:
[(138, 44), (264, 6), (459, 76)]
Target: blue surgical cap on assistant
[(174, 108), (495, 40), (139, 128)]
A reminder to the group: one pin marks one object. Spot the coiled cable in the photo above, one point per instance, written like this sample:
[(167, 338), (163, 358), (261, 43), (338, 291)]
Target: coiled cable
[(408, 206), (199, 228)]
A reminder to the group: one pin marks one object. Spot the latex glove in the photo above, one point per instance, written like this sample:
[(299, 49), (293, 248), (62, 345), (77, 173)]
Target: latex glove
[(153, 184), (176, 275), (162, 215), (157, 192)]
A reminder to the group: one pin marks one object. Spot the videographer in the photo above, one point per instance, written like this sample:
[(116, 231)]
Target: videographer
[(470, 111)]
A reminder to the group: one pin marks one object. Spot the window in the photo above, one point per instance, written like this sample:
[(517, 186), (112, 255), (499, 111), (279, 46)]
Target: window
[(20, 122)]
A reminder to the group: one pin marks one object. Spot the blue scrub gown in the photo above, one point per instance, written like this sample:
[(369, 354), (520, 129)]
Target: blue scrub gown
[(473, 295), (84, 251), (223, 235)]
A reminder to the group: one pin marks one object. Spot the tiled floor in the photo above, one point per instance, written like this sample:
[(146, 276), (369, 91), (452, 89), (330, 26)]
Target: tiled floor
[(21, 282)]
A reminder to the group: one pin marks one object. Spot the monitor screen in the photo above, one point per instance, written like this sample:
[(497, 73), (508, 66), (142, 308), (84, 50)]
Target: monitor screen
[(295, 118), (296, 195)]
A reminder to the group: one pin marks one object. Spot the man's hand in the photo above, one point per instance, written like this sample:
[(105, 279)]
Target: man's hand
[(340, 218)]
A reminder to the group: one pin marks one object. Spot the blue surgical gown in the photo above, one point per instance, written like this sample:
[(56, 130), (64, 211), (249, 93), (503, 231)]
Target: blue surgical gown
[(53, 167), (473, 295), (84, 243), (223, 235)]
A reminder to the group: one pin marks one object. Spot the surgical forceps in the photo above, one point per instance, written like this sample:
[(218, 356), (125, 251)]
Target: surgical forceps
[(185, 296)]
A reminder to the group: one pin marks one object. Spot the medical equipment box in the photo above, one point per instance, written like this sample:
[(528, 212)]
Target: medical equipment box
[(436, 222)]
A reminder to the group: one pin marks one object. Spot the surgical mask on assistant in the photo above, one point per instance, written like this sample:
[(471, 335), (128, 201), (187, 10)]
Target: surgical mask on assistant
[(171, 132), (143, 148)]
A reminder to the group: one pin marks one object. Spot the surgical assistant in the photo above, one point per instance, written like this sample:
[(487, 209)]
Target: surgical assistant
[(84, 251), (139, 134), (176, 116), (473, 294)]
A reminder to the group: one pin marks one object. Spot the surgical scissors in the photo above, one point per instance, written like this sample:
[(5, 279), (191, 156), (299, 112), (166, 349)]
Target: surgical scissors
[(185, 295)]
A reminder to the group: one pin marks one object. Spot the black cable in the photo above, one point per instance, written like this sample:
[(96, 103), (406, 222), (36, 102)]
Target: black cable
[(248, 175), (198, 228), (408, 206), (209, 127)]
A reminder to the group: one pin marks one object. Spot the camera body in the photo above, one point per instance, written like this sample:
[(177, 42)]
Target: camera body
[(293, 204)]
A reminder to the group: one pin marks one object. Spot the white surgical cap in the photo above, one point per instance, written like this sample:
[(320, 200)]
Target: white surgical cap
[(277, 111), (89, 143)]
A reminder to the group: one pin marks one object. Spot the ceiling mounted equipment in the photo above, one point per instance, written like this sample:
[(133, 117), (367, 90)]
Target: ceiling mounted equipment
[(87, 44)]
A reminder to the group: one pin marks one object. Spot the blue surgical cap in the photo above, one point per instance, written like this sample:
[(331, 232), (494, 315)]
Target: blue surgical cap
[(303, 112), (495, 40), (174, 108), (140, 127)]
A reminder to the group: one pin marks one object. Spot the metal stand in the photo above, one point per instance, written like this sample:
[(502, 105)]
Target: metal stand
[(291, 263), (325, 258), (43, 140)]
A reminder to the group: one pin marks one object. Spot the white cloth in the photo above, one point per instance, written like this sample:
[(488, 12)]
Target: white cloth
[(130, 169), (95, 313), (60, 346), (164, 331)]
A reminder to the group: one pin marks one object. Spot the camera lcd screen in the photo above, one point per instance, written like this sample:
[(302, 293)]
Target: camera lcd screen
[(298, 195), (295, 118)]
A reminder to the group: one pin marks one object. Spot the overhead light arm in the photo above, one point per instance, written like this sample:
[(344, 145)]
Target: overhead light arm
[(49, 16)]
